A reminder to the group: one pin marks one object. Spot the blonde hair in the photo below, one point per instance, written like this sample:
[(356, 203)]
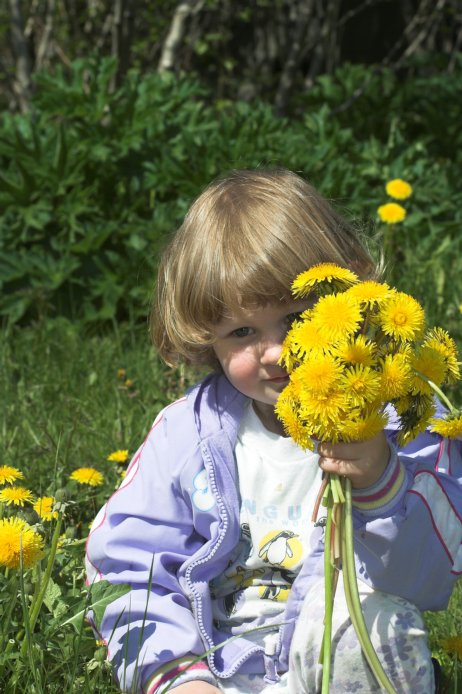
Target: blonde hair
[(242, 243)]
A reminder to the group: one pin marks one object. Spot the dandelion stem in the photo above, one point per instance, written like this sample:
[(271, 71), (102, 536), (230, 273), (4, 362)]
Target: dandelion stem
[(328, 597), (436, 389)]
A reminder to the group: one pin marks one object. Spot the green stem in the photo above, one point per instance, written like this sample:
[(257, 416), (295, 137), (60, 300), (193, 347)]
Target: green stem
[(352, 595), (436, 389), (328, 607), (38, 599)]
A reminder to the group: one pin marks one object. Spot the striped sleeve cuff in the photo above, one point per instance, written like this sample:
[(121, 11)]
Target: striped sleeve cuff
[(381, 497), (182, 670)]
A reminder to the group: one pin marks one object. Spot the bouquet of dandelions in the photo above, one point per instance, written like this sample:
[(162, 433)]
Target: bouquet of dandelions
[(362, 347)]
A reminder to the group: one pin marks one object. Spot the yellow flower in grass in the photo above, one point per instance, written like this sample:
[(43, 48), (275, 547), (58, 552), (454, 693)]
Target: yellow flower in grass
[(17, 537), (402, 317), (370, 292), (120, 456), (44, 508), (391, 213), (121, 373), (450, 427), (337, 316), (394, 376), (323, 273), (430, 363), (17, 496), (9, 474), (359, 350), (361, 384), (399, 189), (363, 427), (87, 475), (453, 644), (440, 340)]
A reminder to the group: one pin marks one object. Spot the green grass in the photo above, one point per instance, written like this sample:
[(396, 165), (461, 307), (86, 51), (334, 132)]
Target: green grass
[(64, 406)]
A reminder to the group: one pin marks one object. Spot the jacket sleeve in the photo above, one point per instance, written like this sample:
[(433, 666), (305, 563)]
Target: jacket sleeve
[(409, 526), (141, 537)]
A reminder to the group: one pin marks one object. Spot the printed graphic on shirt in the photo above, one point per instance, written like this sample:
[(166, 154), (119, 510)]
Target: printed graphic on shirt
[(281, 548), (202, 497)]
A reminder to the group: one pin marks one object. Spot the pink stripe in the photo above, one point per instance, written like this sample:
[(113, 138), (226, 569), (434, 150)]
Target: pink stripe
[(383, 491), (440, 453), (412, 491), (172, 673), (134, 461)]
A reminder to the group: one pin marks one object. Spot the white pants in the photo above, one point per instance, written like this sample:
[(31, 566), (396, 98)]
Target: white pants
[(397, 632)]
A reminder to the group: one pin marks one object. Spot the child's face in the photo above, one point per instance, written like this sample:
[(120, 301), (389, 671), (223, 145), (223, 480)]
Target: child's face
[(248, 346)]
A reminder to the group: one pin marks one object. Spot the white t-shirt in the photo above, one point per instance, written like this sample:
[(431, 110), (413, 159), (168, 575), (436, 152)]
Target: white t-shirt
[(278, 485)]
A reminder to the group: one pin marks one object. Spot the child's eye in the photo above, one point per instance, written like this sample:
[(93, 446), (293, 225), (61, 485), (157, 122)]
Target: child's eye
[(241, 332)]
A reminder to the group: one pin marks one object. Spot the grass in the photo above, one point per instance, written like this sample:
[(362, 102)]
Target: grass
[(65, 405)]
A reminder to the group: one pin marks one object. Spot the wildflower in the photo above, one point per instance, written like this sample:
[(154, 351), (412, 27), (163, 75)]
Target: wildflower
[(9, 474), (394, 374), (304, 338), (398, 189), (318, 375), (370, 292), (363, 427), (450, 427), (391, 213), (453, 644), (334, 275), (87, 475), (325, 410), (128, 383), (44, 508), (361, 384), (292, 423), (121, 373), (118, 456), (17, 537), (356, 351), (427, 365), (402, 317), (440, 340), (15, 495), (337, 316)]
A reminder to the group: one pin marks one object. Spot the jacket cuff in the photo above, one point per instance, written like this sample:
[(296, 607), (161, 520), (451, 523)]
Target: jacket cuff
[(382, 496), (184, 670)]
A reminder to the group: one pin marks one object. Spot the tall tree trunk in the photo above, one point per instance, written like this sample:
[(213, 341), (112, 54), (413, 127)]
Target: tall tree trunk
[(122, 30), (23, 77)]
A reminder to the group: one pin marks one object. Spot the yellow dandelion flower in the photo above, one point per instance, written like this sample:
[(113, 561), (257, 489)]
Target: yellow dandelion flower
[(17, 537), (17, 496), (306, 338), (391, 213), (318, 375), (427, 363), (361, 384), (324, 409), (399, 189), (453, 644), (415, 419), (337, 316), (9, 474), (121, 373), (44, 508), (394, 372), (440, 340), (449, 427), (402, 317), (293, 425), (363, 428), (323, 273), (128, 383), (120, 456), (360, 350), (370, 292), (87, 475), (460, 308)]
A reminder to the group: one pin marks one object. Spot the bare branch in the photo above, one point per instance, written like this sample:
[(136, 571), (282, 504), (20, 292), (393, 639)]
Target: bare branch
[(176, 33)]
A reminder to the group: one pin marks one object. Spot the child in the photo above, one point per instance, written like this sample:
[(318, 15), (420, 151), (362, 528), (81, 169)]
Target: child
[(211, 526)]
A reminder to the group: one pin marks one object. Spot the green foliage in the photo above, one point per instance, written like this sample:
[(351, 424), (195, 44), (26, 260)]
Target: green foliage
[(94, 180)]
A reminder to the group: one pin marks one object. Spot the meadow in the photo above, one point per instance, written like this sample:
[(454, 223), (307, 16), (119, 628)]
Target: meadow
[(71, 399)]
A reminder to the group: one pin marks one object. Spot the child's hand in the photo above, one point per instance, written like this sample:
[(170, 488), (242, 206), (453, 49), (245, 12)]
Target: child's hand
[(196, 687), (363, 462)]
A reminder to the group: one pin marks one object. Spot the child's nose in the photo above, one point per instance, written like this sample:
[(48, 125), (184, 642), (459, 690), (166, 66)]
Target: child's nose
[(271, 352)]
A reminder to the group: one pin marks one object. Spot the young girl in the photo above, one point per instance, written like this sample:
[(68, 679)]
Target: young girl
[(211, 527)]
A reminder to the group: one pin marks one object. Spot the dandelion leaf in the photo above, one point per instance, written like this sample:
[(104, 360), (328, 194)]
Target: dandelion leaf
[(53, 600), (99, 596)]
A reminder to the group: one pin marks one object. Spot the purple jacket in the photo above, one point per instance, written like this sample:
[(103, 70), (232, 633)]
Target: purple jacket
[(174, 521)]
